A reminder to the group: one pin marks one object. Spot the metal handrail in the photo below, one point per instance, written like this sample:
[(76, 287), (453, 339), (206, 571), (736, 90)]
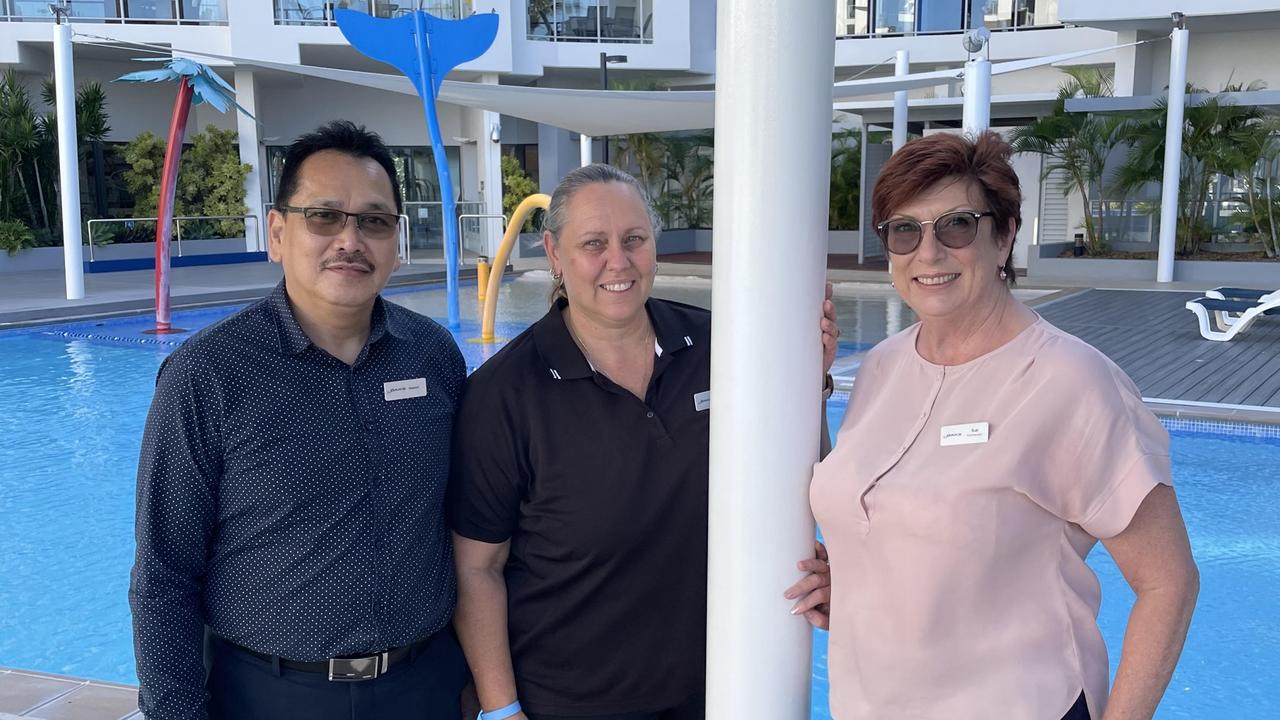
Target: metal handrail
[(177, 225), (501, 217), (300, 13), (122, 16)]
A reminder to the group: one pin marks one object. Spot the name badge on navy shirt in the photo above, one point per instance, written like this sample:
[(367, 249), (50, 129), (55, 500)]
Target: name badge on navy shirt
[(966, 434), (404, 389), (702, 401)]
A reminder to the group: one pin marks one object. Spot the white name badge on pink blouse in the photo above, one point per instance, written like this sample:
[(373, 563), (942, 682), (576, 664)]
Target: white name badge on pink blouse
[(967, 434), (404, 389)]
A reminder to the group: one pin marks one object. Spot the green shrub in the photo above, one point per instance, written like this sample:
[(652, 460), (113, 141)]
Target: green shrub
[(516, 186), (210, 182), (15, 236)]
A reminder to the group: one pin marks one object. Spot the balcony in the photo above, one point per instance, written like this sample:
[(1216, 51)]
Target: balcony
[(155, 12), (878, 18), (320, 12), (612, 21)]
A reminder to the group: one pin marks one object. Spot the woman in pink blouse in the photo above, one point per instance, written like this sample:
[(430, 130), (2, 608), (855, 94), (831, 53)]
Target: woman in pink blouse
[(983, 454)]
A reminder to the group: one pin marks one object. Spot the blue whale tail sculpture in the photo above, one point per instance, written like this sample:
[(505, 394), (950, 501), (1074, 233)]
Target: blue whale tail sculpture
[(425, 48)]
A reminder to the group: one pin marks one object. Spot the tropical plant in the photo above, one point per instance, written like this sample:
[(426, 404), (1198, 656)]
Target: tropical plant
[(1212, 131), (1259, 144), (1077, 144), (643, 153), (19, 144), (516, 186), (213, 184), (845, 207), (686, 187), (14, 236)]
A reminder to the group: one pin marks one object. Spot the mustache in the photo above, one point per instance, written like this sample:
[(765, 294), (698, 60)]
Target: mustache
[(347, 258)]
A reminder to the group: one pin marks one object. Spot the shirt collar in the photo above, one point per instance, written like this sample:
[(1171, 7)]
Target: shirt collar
[(563, 357), (294, 340)]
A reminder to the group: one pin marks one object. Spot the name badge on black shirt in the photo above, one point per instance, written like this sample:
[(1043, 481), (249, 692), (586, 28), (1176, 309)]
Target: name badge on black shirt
[(404, 389), (702, 401)]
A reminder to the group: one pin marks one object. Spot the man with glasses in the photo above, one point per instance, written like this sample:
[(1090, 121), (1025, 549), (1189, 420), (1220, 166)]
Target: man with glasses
[(292, 558)]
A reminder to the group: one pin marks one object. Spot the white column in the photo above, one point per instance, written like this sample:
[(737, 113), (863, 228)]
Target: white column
[(977, 95), (250, 154), (68, 160), (1172, 155), (490, 170), (584, 149), (901, 67), (773, 157)]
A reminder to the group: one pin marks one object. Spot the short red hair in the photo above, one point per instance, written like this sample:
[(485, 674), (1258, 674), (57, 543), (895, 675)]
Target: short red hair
[(923, 163)]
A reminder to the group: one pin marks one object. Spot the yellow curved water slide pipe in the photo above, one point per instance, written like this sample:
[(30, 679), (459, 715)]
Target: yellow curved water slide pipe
[(537, 201)]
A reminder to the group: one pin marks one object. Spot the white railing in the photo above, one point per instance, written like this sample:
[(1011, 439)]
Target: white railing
[(321, 12), (177, 227), (158, 12)]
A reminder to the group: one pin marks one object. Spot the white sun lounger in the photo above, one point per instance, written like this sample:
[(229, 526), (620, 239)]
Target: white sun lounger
[(1227, 318), (1222, 319)]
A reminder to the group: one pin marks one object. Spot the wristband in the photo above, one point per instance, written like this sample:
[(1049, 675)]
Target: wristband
[(500, 713)]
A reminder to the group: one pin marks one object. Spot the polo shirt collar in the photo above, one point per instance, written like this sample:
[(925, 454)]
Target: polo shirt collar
[(294, 340), (564, 358)]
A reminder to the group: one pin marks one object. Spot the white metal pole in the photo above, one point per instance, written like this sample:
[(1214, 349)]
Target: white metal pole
[(773, 157), (68, 165), (901, 67), (1172, 152), (584, 149), (977, 95)]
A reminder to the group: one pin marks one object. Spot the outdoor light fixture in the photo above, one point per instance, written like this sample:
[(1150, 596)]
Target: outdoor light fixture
[(495, 133), (605, 61), (975, 40)]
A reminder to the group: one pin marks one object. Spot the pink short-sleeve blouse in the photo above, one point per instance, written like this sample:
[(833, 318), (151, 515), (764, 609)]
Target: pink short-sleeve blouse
[(958, 507)]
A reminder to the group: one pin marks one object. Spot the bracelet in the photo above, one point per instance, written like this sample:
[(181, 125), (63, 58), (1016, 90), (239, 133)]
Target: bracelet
[(500, 713), (828, 386)]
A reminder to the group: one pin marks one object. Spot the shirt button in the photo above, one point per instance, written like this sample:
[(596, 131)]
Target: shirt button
[(649, 414)]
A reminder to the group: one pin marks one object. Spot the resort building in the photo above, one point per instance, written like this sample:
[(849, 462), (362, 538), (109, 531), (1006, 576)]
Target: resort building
[(640, 44)]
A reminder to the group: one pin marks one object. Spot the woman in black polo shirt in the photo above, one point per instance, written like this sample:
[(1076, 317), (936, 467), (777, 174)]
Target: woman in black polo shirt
[(578, 495)]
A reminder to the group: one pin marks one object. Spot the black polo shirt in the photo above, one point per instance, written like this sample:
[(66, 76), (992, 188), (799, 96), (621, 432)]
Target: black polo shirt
[(604, 499)]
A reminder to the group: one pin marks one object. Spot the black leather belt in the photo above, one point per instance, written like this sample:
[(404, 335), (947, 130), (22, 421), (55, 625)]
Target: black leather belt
[(345, 669)]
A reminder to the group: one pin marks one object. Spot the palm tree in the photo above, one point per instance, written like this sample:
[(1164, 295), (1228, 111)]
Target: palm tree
[(1077, 144), (19, 136), (197, 83), (1211, 131), (1259, 145), (846, 178), (643, 151)]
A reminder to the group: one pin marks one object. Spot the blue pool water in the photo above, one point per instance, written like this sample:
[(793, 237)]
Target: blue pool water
[(75, 398)]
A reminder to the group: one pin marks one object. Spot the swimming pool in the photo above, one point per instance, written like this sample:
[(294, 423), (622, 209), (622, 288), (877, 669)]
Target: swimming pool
[(75, 398)]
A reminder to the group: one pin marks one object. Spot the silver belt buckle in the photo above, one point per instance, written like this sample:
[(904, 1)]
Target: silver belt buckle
[(356, 669)]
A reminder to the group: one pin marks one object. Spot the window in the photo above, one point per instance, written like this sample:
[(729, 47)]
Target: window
[(591, 20)]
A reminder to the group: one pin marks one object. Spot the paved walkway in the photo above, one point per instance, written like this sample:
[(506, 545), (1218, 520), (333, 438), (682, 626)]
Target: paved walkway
[(28, 694), (40, 296)]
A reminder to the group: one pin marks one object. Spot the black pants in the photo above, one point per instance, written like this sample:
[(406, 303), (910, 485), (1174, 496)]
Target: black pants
[(695, 708), (1079, 711), (428, 685)]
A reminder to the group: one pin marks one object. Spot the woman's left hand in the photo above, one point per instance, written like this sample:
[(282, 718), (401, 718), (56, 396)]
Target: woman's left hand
[(830, 331), (813, 590)]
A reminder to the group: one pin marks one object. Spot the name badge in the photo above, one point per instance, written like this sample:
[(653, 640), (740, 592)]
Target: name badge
[(404, 389), (967, 434), (702, 401)]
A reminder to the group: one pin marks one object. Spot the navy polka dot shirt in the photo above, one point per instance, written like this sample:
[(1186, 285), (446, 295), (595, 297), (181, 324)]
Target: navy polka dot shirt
[(290, 502)]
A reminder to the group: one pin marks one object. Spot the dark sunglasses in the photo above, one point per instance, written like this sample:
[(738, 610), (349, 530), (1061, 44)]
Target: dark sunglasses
[(955, 230), (329, 221)]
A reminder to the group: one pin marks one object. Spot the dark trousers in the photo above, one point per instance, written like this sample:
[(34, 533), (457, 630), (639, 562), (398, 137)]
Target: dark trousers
[(424, 687), (695, 708), (1079, 711)]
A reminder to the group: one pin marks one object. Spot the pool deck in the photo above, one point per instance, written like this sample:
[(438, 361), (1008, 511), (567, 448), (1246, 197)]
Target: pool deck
[(29, 694)]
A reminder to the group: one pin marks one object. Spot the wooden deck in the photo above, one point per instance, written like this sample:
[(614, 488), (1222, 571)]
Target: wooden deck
[(1156, 340)]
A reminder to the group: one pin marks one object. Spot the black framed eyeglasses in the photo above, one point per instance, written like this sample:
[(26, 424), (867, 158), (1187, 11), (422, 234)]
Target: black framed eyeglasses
[(330, 221), (955, 230)]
